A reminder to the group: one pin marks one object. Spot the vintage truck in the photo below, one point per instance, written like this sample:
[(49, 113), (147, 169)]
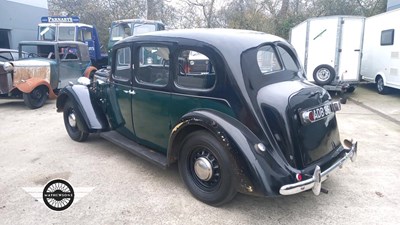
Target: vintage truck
[(49, 66), (246, 121)]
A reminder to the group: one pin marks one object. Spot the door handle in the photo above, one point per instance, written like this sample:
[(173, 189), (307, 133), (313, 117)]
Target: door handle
[(357, 50), (131, 92)]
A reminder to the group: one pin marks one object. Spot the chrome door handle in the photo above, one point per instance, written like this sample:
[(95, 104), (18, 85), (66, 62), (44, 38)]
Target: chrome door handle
[(131, 92)]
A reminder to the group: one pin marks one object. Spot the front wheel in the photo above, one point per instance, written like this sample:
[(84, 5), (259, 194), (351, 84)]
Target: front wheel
[(36, 98), (207, 168), (73, 123)]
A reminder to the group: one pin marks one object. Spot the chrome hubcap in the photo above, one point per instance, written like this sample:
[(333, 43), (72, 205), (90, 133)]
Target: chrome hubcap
[(203, 169), (72, 119), (323, 74)]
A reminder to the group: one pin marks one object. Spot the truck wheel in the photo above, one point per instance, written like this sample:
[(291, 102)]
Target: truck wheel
[(380, 86), (324, 74), (72, 122), (36, 98), (207, 168)]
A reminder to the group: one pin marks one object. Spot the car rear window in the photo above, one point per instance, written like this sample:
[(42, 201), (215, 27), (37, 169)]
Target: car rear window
[(267, 60)]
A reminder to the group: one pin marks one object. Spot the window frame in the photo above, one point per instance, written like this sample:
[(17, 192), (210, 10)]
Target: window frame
[(114, 66), (136, 63), (389, 32), (211, 60)]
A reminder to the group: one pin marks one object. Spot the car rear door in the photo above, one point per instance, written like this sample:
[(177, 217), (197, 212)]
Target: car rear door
[(151, 94)]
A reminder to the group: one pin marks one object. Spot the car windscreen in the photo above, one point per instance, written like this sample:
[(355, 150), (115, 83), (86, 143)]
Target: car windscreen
[(124, 30), (38, 51)]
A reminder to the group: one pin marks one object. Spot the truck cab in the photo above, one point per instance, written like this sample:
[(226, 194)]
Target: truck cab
[(70, 29)]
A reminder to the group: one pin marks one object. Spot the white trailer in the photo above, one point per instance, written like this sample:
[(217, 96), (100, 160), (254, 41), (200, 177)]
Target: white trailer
[(381, 52), (329, 49)]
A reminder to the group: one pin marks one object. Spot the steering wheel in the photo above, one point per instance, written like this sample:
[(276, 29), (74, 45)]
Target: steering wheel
[(32, 55)]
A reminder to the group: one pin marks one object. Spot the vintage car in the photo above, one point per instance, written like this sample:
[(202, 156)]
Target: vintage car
[(48, 67), (250, 122)]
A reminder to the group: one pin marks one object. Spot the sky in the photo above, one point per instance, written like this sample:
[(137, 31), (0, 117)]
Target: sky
[(37, 3)]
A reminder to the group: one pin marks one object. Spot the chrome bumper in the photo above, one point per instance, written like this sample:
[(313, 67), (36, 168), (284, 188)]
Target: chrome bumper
[(314, 183)]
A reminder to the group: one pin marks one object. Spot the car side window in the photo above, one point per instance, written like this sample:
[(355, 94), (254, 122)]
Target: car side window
[(153, 65), (267, 60), (123, 64), (288, 61), (195, 70), (66, 53)]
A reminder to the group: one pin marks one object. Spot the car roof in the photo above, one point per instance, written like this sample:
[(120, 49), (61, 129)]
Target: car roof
[(52, 42), (218, 37), (8, 50)]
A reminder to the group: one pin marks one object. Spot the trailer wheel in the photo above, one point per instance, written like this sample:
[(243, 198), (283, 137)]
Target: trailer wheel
[(350, 89), (324, 74), (380, 86)]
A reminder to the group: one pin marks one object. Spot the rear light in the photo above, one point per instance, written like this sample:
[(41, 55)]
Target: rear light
[(299, 177), (308, 117)]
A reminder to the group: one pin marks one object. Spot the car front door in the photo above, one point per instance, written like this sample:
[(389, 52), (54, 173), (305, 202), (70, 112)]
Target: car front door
[(71, 66), (120, 92), (151, 97)]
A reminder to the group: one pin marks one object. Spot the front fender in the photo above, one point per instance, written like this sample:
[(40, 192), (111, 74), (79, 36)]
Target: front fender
[(92, 114), (266, 171), (28, 85)]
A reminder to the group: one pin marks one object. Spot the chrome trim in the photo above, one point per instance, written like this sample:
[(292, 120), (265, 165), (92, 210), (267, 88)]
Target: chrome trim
[(318, 176)]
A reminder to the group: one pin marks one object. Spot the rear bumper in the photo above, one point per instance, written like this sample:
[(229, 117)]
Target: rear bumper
[(314, 183)]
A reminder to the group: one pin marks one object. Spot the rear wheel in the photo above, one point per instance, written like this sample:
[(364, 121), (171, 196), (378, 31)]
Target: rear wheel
[(380, 86), (73, 123), (324, 74), (207, 168), (36, 98)]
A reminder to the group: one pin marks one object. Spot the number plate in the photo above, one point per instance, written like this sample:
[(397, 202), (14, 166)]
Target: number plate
[(321, 112), (314, 114)]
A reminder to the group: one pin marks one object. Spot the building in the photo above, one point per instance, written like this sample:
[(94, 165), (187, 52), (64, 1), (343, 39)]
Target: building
[(19, 20), (392, 4)]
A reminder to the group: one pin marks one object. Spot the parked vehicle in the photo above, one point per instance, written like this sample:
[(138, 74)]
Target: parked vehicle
[(10, 55), (61, 28), (381, 53), (329, 48), (128, 27), (49, 67), (249, 122)]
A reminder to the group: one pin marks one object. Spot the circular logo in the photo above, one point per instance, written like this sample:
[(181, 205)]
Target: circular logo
[(58, 195)]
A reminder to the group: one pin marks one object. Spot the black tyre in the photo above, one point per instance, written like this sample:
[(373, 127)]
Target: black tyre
[(73, 123), (36, 98), (380, 86), (324, 74), (207, 168), (350, 89)]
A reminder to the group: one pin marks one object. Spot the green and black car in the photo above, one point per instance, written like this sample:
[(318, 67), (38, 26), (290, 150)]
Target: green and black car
[(247, 122)]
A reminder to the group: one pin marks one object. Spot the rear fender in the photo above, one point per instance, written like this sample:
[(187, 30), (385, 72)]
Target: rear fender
[(28, 85), (260, 173), (92, 114)]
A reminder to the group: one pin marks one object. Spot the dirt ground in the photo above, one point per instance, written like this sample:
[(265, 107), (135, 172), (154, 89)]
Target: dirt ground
[(35, 148)]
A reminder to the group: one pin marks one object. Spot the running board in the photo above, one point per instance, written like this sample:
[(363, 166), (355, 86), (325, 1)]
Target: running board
[(145, 153)]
